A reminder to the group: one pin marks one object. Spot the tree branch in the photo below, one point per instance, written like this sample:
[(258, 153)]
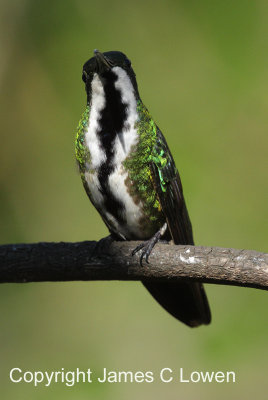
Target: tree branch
[(88, 261)]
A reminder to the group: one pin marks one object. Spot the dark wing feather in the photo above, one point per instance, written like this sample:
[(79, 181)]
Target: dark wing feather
[(185, 301)]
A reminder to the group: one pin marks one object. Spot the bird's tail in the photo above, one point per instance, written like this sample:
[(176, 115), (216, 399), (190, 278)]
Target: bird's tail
[(184, 300)]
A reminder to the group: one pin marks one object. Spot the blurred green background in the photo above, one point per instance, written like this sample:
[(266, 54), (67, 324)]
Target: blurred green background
[(202, 69)]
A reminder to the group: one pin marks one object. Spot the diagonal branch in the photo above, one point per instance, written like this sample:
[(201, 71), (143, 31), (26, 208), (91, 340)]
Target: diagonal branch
[(87, 261)]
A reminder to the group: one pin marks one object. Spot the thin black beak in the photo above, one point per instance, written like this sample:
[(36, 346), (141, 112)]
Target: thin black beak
[(103, 63)]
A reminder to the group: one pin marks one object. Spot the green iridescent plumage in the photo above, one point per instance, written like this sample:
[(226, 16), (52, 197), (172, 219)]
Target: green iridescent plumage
[(149, 149), (130, 176), (81, 150), (138, 165)]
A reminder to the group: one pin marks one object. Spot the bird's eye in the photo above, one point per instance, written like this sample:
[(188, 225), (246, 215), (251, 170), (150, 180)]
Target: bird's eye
[(128, 63)]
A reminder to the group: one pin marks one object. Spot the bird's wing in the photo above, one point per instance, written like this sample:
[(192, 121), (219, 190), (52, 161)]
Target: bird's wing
[(185, 301), (168, 186)]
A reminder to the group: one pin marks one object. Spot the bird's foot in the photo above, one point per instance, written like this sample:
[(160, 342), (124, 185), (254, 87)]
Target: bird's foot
[(148, 245)]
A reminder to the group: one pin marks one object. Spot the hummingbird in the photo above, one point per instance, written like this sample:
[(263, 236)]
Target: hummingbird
[(130, 176)]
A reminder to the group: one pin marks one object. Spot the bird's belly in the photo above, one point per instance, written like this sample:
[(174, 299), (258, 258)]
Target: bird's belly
[(123, 214)]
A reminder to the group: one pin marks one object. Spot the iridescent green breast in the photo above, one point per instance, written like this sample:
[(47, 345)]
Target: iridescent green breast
[(140, 182), (136, 168), (81, 151)]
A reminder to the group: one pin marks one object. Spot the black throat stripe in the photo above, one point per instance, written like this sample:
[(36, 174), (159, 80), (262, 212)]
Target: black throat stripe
[(111, 124)]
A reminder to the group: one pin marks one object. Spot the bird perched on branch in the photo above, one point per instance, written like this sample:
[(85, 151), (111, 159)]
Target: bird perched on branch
[(130, 176)]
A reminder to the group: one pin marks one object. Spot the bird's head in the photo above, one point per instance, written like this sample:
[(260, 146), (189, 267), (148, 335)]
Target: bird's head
[(109, 67)]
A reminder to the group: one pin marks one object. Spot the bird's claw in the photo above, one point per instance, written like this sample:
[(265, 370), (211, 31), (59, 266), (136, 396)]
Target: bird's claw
[(146, 248), (143, 253)]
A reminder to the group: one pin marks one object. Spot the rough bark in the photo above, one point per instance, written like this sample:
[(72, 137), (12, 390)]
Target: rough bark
[(87, 261)]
